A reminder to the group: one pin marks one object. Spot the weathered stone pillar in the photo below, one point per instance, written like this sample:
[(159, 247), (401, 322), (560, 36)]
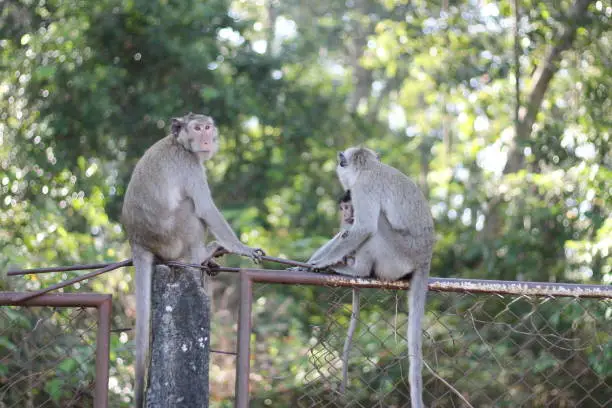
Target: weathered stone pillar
[(180, 343)]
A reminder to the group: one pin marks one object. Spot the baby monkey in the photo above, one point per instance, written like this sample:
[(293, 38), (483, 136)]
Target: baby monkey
[(346, 219), (346, 209)]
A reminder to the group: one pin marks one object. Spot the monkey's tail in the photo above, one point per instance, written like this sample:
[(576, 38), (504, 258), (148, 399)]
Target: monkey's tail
[(143, 263), (417, 297), (349, 339)]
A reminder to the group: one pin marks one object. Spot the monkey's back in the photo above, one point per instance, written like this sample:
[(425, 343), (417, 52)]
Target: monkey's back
[(155, 193), (406, 207)]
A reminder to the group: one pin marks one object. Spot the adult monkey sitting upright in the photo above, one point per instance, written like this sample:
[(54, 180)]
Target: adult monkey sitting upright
[(167, 212), (392, 236)]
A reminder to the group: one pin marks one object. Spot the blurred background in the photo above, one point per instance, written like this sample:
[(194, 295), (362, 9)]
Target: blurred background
[(500, 110)]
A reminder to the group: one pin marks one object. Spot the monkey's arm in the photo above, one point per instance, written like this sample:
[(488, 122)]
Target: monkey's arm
[(321, 252), (208, 212), (367, 211)]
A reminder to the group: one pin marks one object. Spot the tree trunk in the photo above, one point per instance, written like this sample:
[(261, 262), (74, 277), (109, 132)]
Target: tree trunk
[(270, 34), (425, 153), (180, 340), (542, 77), (527, 114)]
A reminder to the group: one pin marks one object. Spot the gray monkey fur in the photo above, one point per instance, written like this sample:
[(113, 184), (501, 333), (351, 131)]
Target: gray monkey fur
[(392, 236), (167, 212), (347, 219)]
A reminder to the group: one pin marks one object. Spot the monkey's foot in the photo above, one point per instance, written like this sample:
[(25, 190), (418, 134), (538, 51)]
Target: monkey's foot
[(211, 267), (319, 269), (220, 252), (298, 269)]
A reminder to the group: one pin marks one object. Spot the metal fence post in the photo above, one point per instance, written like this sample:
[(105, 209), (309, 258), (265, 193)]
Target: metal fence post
[(102, 302), (244, 339), (103, 353)]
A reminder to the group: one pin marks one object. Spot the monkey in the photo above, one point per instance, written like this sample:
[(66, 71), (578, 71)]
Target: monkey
[(346, 219), (392, 236), (347, 214), (167, 212)]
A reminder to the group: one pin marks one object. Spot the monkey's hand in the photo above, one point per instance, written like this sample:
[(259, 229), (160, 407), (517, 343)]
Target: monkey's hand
[(255, 254), (212, 268)]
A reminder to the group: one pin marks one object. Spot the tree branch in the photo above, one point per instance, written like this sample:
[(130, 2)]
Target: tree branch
[(517, 67), (527, 114), (542, 77)]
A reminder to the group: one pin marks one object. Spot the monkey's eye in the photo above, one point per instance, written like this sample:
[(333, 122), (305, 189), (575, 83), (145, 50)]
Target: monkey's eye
[(342, 162), (197, 128), (207, 127)]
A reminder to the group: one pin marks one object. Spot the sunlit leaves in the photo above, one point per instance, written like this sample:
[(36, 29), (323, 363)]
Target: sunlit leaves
[(86, 87)]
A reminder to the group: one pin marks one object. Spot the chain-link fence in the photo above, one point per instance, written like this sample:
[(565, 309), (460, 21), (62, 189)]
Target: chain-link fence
[(486, 344), (483, 350), (51, 349)]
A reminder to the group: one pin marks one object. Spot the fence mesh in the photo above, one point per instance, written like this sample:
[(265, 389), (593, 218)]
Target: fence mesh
[(47, 357), (487, 349)]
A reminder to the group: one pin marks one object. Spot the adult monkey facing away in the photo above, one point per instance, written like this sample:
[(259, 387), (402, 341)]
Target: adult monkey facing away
[(167, 212), (392, 235), (368, 253)]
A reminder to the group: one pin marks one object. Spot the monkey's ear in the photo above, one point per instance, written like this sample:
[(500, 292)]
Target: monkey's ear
[(377, 155), (360, 157), (176, 126), (342, 162)]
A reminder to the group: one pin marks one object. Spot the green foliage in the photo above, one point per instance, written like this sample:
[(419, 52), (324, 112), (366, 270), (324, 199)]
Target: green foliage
[(86, 87)]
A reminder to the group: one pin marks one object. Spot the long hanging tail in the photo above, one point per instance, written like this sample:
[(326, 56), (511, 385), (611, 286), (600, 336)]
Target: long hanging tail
[(417, 297), (349, 339), (143, 263)]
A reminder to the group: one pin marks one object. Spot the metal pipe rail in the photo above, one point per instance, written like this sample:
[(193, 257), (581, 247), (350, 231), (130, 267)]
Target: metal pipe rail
[(249, 275), (103, 305)]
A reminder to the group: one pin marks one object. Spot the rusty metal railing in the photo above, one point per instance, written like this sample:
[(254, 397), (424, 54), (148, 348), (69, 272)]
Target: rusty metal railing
[(465, 286), (250, 276), (102, 303)]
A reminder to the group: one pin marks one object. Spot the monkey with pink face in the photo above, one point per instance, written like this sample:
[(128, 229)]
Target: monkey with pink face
[(167, 212)]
